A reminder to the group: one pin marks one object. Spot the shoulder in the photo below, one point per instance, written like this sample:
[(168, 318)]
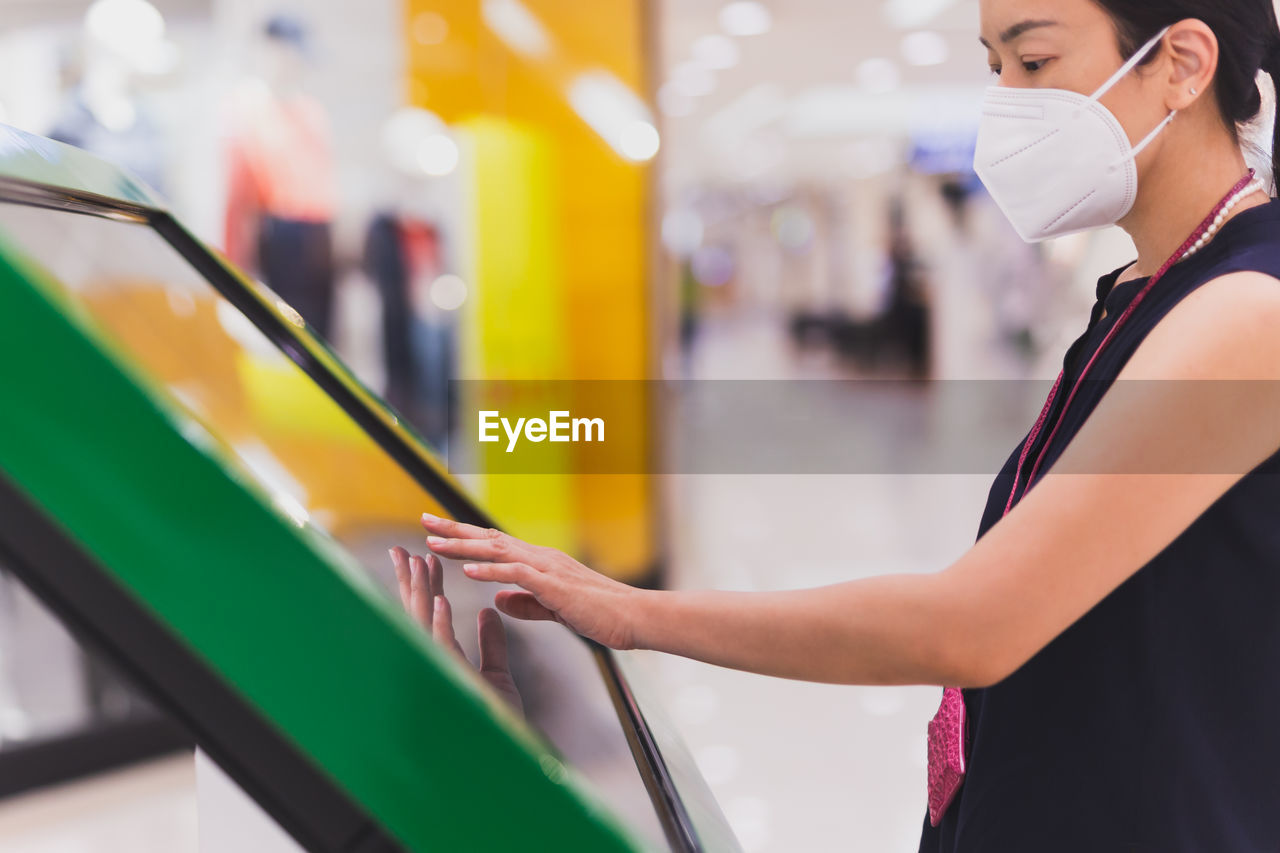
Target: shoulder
[(1227, 328)]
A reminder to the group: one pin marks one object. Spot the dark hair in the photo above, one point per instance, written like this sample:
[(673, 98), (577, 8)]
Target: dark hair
[(1248, 41)]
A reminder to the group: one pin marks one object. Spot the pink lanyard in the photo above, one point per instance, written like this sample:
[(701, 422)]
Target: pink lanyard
[(1137, 300)]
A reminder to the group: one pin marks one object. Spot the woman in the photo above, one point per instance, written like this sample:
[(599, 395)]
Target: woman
[(1114, 631)]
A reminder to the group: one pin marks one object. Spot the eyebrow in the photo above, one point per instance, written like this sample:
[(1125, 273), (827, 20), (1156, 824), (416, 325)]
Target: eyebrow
[(1017, 30)]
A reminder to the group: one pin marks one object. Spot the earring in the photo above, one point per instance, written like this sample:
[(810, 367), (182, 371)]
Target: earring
[(1193, 91)]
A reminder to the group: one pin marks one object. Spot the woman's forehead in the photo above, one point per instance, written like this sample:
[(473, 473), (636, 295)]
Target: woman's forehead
[(1002, 21)]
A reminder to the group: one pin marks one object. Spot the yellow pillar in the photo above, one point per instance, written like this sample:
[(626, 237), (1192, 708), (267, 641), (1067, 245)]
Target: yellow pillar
[(558, 244)]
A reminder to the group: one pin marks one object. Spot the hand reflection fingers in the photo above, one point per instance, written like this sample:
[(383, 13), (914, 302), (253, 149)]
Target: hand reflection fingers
[(435, 575), (493, 642), (442, 628), (400, 560), (419, 592), (522, 605)]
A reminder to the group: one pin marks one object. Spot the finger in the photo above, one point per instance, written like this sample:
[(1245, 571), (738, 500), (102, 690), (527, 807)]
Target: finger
[(491, 549), (442, 628), (522, 605), (400, 559), (419, 593), (520, 574), (435, 575), (447, 529), (493, 642), (451, 529)]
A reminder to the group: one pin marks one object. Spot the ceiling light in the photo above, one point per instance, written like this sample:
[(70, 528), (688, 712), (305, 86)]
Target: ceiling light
[(135, 30), (437, 155), (448, 292), (124, 24), (616, 113), (878, 75), (924, 48), (693, 80), (417, 142), (517, 27), (640, 141), (430, 28), (745, 18), (909, 14), (716, 52)]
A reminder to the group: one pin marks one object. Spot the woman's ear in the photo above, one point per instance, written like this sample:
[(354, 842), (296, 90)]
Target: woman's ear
[(1194, 51)]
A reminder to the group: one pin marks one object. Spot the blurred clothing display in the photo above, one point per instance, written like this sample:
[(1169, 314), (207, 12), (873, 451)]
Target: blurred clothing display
[(404, 257), (281, 159), (295, 258), (281, 181)]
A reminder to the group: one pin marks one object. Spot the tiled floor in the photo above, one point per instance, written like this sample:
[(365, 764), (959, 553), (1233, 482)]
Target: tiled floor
[(150, 808), (797, 766)]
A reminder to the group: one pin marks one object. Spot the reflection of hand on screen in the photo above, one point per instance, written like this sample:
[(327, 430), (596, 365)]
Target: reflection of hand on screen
[(555, 587), (422, 594)]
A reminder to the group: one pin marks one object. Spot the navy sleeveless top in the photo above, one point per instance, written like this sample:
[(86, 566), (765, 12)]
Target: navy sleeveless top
[(1152, 724)]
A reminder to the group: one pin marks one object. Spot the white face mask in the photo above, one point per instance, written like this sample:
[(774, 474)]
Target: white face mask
[(1057, 162)]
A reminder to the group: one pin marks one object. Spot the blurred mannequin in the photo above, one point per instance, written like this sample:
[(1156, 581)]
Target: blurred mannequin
[(281, 197), (102, 112)]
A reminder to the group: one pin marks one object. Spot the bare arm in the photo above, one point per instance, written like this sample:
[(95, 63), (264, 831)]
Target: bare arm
[(1139, 472)]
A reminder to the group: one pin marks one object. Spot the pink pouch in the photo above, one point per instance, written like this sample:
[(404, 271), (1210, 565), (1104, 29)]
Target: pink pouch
[(946, 753)]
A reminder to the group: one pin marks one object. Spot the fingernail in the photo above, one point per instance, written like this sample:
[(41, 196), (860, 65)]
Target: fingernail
[(436, 540), (439, 603), (470, 568), (426, 516)]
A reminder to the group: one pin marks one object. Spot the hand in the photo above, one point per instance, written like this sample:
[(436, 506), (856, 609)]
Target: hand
[(422, 594), (554, 586)]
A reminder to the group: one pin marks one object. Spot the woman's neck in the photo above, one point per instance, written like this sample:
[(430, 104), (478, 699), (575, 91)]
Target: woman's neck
[(1176, 198)]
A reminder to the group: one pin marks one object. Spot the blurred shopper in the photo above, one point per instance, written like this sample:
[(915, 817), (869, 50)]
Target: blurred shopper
[(691, 298), (907, 314), (404, 255), (281, 196), (1114, 630)]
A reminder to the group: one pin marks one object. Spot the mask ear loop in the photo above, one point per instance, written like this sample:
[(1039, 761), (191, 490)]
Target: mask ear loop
[(1130, 65), (1137, 149), (1117, 77)]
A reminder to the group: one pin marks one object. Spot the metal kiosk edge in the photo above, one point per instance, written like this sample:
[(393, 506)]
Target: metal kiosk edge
[(150, 551)]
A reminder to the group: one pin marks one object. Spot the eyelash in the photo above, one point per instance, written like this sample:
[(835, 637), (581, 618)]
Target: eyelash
[(1038, 63)]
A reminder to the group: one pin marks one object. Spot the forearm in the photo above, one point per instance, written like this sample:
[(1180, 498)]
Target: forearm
[(882, 630)]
